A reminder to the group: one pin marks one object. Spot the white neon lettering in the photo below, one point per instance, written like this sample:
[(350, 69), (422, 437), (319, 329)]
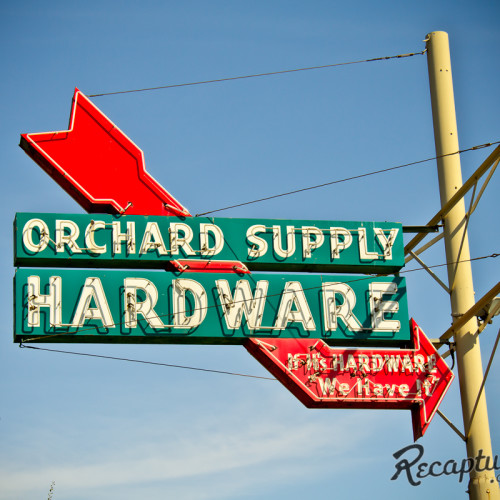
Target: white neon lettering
[(199, 308), (351, 363), (404, 390), (52, 300), (336, 246), (89, 237), (145, 308), (338, 362), (344, 311), (312, 238), (218, 236), (177, 242), (364, 254), (293, 295), (92, 290), (62, 238), (377, 363), (152, 240), (127, 237), (43, 232), (380, 307), (419, 362), (258, 245), (386, 242), (290, 242), (243, 303), (327, 386)]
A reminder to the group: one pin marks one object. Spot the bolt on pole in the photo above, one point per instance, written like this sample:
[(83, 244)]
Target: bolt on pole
[(482, 483)]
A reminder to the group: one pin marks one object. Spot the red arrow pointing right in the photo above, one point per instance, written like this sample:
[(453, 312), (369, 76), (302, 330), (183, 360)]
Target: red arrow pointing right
[(325, 377), (99, 166)]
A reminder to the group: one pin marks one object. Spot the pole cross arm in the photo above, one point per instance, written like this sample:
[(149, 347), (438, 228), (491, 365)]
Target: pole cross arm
[(492, 158), (464, 318)]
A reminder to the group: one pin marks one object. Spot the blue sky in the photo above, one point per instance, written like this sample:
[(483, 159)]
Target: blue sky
[(106, 429)]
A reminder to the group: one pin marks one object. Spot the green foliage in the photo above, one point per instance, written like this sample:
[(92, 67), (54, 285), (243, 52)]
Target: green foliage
[(51, 491)]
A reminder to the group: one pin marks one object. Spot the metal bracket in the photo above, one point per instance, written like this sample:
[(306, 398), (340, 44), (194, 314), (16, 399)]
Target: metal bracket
[(483, 383), (487, 164), (445, 418), (433, 275), (480, 304)]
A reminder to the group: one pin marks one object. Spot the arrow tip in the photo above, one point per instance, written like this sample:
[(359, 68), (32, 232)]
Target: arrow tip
[(423, 411), (99, 166)]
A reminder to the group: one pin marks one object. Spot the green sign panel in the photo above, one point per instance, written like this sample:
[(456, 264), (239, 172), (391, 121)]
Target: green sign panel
[(129, 306), (100, 240)]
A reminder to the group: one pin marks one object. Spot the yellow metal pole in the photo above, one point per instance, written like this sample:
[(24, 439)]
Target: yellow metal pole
[(482, 484)]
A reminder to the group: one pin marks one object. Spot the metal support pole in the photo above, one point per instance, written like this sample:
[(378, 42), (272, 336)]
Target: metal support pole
[(482, 484)]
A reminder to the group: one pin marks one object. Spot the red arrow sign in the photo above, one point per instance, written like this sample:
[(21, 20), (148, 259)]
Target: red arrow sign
[(99, 166), (103, 170), (325, 377)]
